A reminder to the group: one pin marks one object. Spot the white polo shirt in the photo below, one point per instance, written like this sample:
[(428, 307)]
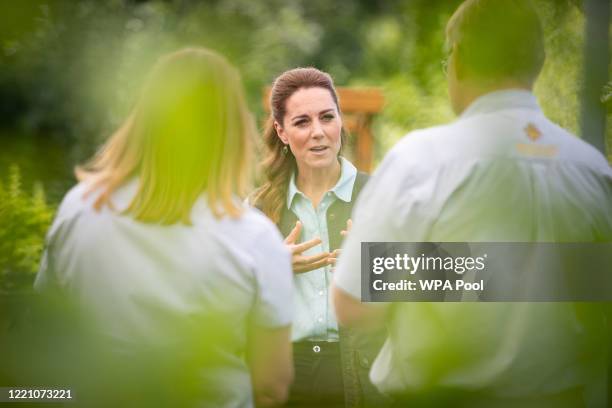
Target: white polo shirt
[(142, 282), (501, 172)]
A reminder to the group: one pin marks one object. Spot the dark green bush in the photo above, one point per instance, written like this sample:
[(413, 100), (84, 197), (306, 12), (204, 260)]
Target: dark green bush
[(24, 220)]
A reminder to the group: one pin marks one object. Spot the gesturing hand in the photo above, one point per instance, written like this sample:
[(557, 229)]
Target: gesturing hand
[(349, 225), (304, 263), (336, 253)]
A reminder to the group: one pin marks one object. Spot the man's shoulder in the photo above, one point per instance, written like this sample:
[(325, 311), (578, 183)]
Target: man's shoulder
[(425, 137), (573, 148), (520, 135), (435, 139), (414, 159), (421, 147)]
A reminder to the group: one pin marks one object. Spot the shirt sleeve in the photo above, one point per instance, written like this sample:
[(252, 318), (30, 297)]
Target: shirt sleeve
[(390, 208), (274, 302), (58, 234), (42, 277), (46, 277)]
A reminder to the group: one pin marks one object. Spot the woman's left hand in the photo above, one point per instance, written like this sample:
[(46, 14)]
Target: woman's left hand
[(336, 253), (349, 225)]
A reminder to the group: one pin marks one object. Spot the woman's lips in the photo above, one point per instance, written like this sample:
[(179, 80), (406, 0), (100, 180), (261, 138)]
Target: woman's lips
[(318, 149)]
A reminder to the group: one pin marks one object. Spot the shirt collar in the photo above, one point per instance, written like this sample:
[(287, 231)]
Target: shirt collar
[(343, 188), (498, 100)]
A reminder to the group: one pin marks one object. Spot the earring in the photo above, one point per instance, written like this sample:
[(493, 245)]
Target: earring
[(285, 150)]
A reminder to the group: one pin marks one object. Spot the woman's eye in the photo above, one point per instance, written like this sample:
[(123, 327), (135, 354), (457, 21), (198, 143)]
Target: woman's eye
[(300, 123), (328, 117)]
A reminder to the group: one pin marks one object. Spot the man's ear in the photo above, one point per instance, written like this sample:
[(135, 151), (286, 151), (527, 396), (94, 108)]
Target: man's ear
[(457, 63), (281, 133)]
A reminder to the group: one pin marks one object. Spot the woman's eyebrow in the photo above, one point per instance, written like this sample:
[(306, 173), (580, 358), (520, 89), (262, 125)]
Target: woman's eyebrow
[(303, 115)]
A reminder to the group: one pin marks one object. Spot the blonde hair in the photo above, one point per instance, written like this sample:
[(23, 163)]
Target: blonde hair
[(190, 133)]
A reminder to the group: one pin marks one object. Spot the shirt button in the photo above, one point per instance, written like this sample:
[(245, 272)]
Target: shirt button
[(316, 349), (320, 319), (321, 293)]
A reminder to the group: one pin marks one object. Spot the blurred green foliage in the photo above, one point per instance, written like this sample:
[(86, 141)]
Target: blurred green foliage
[(24, 218), (69, 73), (50, 338), (71, 70)]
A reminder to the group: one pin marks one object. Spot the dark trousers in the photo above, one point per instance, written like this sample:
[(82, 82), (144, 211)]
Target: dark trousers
[(318, 375)]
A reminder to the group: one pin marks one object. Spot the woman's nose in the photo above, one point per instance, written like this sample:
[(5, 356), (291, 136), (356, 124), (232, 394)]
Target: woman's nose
[(317, 129)]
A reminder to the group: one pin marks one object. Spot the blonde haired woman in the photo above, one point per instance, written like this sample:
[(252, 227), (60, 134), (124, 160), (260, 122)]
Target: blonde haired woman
[(155, 234)]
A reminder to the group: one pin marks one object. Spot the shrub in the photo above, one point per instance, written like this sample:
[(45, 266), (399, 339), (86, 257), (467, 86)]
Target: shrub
[(24, 220)]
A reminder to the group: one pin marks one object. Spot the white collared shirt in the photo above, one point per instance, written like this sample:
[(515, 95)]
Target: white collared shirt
[(142, 281), (501, 172)]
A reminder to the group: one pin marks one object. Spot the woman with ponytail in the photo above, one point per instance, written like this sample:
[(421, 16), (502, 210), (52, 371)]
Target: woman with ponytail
[(309, 191)]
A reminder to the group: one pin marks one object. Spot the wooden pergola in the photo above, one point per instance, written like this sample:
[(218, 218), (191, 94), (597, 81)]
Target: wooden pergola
[(358, 106)]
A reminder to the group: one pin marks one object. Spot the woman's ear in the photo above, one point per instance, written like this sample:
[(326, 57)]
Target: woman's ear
[(281, 133)]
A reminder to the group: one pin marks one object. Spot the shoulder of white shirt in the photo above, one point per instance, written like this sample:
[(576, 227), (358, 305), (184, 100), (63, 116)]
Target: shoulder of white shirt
[(419, 148), (79, 200)]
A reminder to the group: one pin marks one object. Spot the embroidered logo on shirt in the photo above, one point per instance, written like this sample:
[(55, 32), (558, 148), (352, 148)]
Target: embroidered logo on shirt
[(532, 132), (535, 150)]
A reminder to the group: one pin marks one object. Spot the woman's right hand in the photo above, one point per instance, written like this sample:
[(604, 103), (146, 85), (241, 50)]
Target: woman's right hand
[(304, 263)]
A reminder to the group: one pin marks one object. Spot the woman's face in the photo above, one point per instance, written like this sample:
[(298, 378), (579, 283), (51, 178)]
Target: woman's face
[(312, 128)]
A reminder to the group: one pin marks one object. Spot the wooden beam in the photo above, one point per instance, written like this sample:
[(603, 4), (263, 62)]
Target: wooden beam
[(364, 100)]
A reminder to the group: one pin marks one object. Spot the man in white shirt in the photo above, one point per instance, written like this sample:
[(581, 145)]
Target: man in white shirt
[(501, 172)]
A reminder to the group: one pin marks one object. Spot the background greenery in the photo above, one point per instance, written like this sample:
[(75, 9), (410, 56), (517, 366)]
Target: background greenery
[(69, 70), (24, 217)]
